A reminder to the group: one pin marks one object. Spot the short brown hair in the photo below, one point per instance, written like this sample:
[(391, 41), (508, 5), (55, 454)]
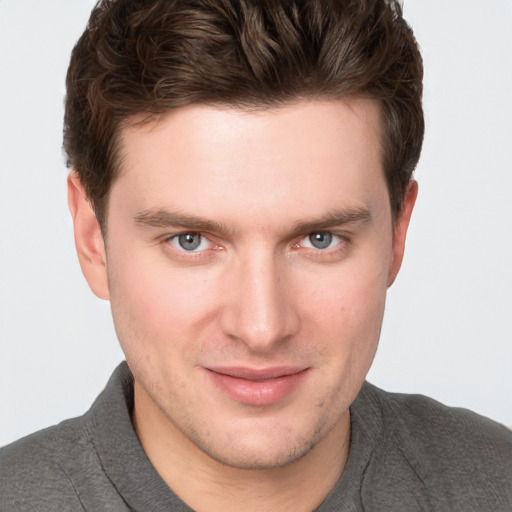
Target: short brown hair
[(151, 56)]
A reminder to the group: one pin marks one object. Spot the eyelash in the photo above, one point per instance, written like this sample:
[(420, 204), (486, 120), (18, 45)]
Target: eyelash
[(177, 237), (173, 241), (330, 236)]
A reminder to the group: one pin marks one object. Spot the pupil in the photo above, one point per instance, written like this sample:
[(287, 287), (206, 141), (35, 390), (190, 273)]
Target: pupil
[(320, 240), (189, 241)]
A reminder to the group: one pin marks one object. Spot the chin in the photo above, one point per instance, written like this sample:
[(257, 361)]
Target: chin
[(266, 448), (264, 458)]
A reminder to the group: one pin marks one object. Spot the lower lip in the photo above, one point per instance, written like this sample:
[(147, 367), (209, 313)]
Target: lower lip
[(251, 392)]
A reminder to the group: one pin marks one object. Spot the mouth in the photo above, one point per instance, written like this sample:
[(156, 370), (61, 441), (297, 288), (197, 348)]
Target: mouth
[(264, 386)]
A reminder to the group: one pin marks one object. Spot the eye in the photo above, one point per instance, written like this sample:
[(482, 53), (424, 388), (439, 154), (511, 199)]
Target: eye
[(321, 240), (190, 242)]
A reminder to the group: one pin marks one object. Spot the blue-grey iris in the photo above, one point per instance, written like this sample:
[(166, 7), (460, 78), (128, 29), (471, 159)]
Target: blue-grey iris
[(189, 241), (320, 240)]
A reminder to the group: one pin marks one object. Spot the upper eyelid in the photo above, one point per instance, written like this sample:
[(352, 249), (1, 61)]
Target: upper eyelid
[(170, 236), (339, 235), (181, 233), (344, 236), (181, 251)]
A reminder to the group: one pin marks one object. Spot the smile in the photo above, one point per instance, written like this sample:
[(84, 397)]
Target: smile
[(257, 387)]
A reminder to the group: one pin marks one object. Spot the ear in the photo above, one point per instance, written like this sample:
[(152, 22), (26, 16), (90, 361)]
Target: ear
[(400, 230), (88, 239)]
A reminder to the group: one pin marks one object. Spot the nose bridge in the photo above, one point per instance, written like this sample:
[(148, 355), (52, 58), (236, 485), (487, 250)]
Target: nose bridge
[(260, 310)]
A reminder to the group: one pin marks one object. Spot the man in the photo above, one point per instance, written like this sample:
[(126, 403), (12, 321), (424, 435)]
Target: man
[(241, 191)]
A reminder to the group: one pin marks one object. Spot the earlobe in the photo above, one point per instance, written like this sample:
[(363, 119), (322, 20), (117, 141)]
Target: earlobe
[(89, 242), (400, 230)]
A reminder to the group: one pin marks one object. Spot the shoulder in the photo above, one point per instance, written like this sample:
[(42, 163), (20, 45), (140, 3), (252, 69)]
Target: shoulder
[(453, 432), (460, 456), (62, 468), (33, 470)]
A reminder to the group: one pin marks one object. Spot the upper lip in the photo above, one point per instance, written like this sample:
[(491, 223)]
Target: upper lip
[(257, 374)]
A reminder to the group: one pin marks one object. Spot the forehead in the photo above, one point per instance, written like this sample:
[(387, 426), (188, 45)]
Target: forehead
[(312, 154)]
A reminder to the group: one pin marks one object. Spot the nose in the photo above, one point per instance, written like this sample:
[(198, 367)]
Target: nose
[(259, 307)]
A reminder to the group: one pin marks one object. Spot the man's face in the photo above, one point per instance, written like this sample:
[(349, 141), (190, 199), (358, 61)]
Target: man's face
[(248, 257)]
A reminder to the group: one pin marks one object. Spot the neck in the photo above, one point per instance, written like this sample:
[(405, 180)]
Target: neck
[(209, 485)]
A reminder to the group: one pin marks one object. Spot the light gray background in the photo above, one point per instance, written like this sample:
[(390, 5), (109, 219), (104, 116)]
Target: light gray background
[(448, 325)]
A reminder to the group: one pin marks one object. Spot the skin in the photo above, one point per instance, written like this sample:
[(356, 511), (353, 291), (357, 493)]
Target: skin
[(255, 294)]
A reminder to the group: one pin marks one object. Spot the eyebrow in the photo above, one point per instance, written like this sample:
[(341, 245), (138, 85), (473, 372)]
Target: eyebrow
[(333, 218), (162, 218)]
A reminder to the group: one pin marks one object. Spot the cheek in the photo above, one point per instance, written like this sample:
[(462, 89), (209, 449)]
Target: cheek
[(350, 294), (344, 309), (157, 309)]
